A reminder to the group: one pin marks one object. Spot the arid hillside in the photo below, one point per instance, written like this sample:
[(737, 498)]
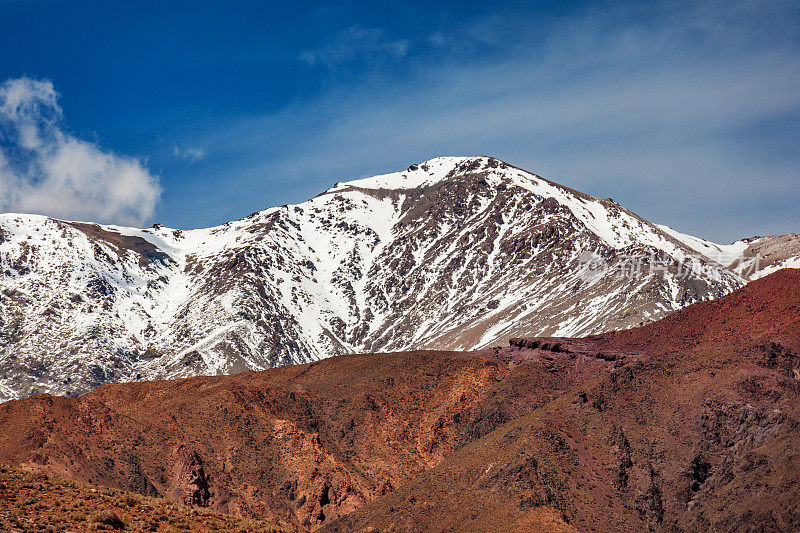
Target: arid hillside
[(31, 501), (698, 431), (689, 423)]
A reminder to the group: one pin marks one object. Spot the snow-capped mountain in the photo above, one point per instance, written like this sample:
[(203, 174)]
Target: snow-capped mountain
[(453, 253)]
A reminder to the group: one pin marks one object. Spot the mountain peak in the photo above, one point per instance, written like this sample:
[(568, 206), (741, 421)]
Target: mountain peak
[(423, 174)]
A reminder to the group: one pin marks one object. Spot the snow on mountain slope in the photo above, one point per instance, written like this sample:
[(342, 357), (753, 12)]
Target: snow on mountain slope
[(724, 254), (773, 253), (453, 253), (751, 258)]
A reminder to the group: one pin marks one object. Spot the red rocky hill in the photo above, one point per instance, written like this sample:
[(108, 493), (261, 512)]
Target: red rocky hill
[(688, 423)]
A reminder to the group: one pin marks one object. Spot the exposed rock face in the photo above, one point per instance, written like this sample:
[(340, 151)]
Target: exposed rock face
[(454, 253), (191, 485)]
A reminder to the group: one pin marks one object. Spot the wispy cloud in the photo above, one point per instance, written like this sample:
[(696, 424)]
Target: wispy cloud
[(192, 155), (44, 169), (356, 44), (673, 112)]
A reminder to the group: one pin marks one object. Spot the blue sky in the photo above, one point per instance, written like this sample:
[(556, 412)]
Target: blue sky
[(194, 113)]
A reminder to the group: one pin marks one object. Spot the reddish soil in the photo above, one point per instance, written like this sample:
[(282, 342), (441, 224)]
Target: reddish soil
[(31, 501), (690, 423), (697, 429), (299, 445)]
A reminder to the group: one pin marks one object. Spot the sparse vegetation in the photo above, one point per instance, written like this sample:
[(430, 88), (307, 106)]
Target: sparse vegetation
[(32, 502)]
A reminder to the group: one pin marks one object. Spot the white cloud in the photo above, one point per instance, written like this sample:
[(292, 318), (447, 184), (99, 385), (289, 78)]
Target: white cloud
[(46, 170)]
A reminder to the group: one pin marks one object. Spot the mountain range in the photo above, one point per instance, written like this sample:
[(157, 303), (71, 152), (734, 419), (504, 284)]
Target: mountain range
[(450, 254)]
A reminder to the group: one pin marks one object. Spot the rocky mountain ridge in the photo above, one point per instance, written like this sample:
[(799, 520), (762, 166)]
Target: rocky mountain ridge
[(453, 253)]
